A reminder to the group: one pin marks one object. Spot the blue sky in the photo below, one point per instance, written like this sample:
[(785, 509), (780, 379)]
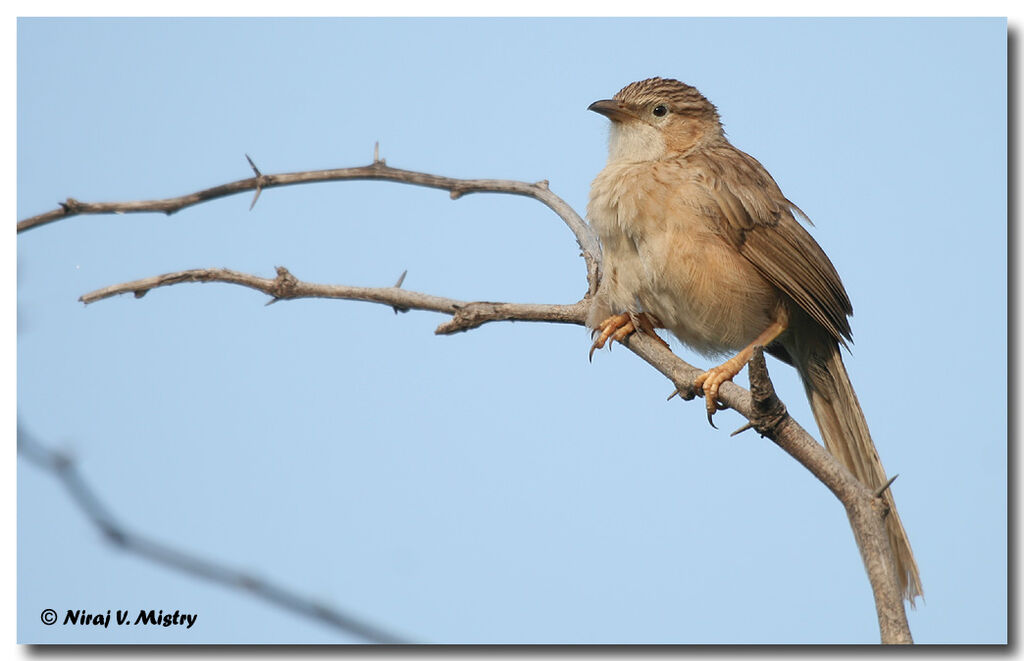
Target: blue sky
[(492, 486)]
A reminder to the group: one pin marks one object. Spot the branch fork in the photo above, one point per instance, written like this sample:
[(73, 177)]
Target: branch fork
[(768, 410)]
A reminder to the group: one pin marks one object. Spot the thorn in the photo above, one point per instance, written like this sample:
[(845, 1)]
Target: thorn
[(376, 151), (684, 394), (454, 193), (398, 285), (543, 183), (878, 494), (271, 301), (259, 182), (253, 166), (749, 425), (259, 188)]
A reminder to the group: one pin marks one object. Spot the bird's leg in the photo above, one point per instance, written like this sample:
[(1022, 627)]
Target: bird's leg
[(620, 326), (711, 380)]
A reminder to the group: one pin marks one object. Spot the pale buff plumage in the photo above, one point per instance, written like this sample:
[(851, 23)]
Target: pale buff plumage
[(698, 238)]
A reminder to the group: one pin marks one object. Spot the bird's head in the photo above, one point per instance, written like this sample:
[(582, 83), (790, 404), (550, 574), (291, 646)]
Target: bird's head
[(657, 118)]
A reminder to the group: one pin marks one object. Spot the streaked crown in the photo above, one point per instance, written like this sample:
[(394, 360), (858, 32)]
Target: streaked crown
[(683, 99)]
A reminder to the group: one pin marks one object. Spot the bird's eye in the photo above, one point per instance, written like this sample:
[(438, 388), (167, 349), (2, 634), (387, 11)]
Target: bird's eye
[(660, 110)]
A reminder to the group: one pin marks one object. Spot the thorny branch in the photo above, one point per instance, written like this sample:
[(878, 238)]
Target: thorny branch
[(378, 170), (64, 469), (465, 315), (763, 410)]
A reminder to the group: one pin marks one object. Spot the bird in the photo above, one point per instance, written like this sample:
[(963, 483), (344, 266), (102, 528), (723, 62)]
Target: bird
[(698, 238)]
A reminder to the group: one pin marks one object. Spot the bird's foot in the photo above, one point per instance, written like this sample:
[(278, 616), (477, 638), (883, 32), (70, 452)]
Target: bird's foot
[(709, 382), (620, 326), (616, 327), (712, 380)]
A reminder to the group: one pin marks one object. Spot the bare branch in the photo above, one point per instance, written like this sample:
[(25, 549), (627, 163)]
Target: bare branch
[(64, 469), (765, 412), (378, 170), (465, 315)]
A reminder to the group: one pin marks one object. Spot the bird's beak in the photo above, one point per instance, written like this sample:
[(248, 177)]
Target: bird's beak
[(614, 110)]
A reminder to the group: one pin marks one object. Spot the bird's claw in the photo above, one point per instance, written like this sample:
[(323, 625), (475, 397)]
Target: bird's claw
[(709, 382), (616, 328)]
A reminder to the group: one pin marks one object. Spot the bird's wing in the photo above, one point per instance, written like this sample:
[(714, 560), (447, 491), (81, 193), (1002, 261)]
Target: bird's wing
[(758, 220)]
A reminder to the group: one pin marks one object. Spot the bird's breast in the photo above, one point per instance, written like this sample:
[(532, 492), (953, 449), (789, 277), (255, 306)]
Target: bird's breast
[(664, 255)]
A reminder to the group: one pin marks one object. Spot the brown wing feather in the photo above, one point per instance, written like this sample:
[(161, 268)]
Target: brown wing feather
[(758, 220)]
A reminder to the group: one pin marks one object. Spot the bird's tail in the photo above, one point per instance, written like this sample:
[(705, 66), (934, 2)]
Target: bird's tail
[(846, 435)]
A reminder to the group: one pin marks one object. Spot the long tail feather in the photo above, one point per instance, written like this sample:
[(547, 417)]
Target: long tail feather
[(846, 436)]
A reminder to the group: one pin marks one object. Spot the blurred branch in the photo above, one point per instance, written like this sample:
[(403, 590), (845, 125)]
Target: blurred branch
[(378, 170), (64, 469)]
